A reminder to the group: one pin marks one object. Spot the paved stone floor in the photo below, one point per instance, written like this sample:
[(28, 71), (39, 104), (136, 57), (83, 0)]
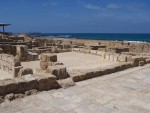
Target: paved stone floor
[(123, 92)]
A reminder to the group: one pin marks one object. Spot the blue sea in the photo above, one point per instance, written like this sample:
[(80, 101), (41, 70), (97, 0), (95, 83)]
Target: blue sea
[(97, 36)]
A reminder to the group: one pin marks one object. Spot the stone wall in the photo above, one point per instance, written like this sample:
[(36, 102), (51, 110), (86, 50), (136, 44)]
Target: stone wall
[(10, 64), (111, 56), (26, 85)]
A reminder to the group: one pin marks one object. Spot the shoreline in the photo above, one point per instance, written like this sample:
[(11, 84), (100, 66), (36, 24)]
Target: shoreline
[(59, 38), (97, 36)]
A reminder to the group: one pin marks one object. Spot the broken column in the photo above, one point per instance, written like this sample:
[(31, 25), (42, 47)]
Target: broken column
[(22, 52)]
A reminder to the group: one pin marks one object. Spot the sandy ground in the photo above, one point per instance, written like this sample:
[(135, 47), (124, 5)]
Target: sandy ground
[(81, 61), (75, 62)]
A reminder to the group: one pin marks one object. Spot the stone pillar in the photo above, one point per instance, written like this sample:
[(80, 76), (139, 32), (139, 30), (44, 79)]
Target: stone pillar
[(22, 52)]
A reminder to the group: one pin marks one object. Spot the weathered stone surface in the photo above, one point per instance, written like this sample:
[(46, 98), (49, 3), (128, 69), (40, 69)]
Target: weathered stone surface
[(25, 71), (89, 75), (31, 92), (46, 82), (22, 85), (43, 57), (22, 52), (98, 73), (107, 71), (20, 95), (10, 64), (76, 78), (9, 97), (48, 57), (1, 99), (141, 63), (32, 56), (10, 85), (65, 83), (147, 60), (44, 65), (59, 71), (52, 58), (122, 58), (2, 88)]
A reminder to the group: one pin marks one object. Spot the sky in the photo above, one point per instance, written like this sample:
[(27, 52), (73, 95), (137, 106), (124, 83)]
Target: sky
[(76, 16)]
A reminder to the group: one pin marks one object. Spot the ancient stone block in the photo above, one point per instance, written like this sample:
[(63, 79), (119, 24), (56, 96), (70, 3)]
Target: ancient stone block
[(89, 75), (76, 78), (11, 85), (47, 57), (141, 63), (43, 57), (2, 88), (116, 57), (44, 65), (98, 73), (52, 58), (25, 71), (111, 58), (9, 97), (122, 58), (33, 56), (65, 83), (147, 60), (22, 85), (117, 68), (107, 71), (82, 76), (107, 57), (22, 52), (59, 71), (42, 83)]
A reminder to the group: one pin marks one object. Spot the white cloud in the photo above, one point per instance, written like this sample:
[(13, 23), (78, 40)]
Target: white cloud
[(113, 6), (91, 6)]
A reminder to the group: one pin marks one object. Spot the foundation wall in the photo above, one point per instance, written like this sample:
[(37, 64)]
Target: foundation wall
[(24, 85)]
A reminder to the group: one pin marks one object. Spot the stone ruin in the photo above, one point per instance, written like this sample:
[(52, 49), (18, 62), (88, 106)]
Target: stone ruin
[(51, 72), (50, 65), (10, 64)]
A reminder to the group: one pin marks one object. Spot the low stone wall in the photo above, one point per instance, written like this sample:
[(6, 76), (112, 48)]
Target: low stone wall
[(18, 87), (95, 73), (80, 76), (10, 64), (110, 56)]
